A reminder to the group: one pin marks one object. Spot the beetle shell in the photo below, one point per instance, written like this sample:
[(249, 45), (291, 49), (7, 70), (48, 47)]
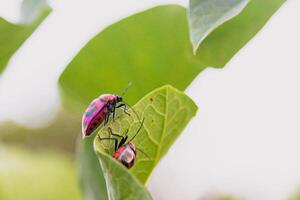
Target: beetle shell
[(93, 117), (108, 98), (126, 154), (96, 112)]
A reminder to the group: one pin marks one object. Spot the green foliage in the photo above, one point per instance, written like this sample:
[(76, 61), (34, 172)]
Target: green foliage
[(206, 15), (91, 175), (295, 195), (151, 49), (225, 41), (120, 183), (30, 9), (12, 36), (132, 51), (61, 134), (31, 175), (166, 111)]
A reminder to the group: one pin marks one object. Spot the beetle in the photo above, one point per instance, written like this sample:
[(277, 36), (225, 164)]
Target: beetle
[(125, 152), (100, 110)]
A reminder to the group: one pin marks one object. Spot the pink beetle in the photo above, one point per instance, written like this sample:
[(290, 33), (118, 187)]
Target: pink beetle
[(99, 111)]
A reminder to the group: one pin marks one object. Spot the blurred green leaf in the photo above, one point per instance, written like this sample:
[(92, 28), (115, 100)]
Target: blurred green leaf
[(295, 195), (225, 41), (61, 134), (30, 9), (91, 176), (138, 49), (151, 49), (12, 36), (32, 175), (166, 111), (206, 15)]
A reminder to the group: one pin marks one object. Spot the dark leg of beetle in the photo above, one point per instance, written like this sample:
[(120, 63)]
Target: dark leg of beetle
[(126, 132), (124, 139), (115, 139), (124, 108), (114, 113), (105, 119), (117, 135), (107, 115)]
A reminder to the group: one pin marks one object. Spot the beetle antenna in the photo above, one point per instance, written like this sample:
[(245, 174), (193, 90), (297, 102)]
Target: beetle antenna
[(123, 93), (125, 89), (140, 150), (138, 130)]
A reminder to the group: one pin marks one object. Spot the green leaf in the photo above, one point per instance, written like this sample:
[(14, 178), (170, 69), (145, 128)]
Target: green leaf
[(30, 9), (60, 134), (206, 15), (36, 175), (166, 111), (120, 183), (141, 50), (12, 36), (225, 41), (153, 48), (91, 176), (132, 51), (295, 195)]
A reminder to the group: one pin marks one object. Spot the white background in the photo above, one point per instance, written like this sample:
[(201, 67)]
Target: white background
[(245, 138)]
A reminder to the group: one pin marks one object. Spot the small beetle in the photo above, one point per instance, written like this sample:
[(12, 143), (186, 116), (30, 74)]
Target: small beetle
[(125, 152), (100, 110)]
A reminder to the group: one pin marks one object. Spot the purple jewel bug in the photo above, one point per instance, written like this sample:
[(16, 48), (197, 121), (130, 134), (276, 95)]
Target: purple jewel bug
[(100, 110)]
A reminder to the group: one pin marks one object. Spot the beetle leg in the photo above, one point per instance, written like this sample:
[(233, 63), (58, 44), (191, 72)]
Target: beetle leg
[(124, 138), (109, 138), (124, 108), (117, 135), (105, 119), (114, 113), (126, 132), (107, 115)]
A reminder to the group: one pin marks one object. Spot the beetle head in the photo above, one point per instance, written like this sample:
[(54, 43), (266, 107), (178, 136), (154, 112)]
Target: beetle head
[(119, 99)]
